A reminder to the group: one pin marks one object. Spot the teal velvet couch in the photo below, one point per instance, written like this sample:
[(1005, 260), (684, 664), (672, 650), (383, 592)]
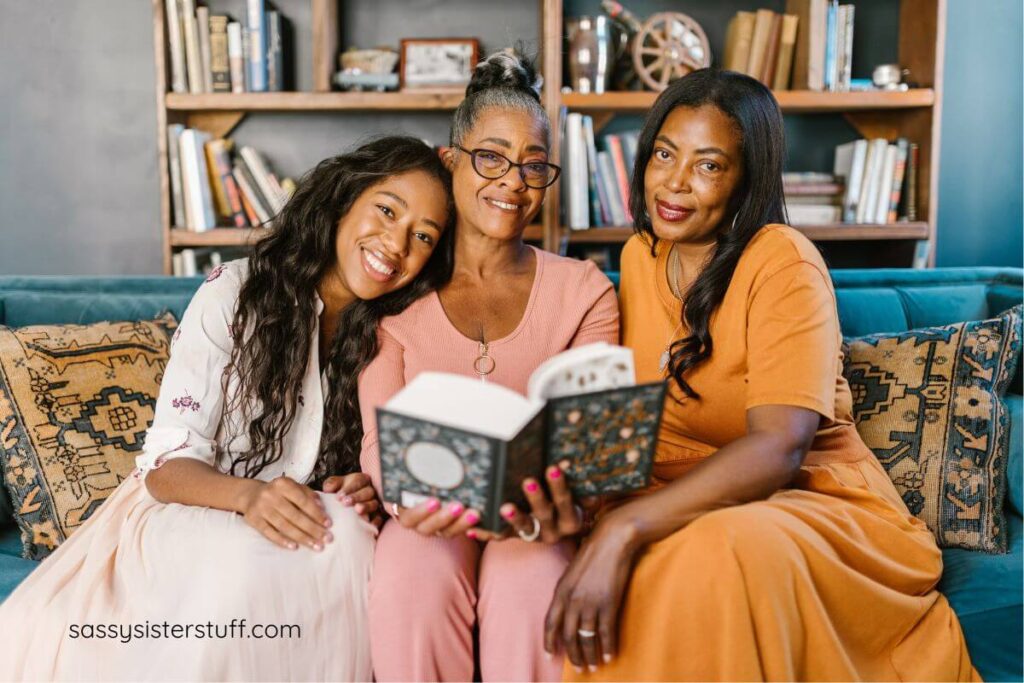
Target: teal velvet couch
[(985, 590)]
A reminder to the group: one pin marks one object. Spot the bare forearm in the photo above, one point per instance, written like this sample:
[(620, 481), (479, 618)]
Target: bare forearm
[(748, 469), (191, 482)]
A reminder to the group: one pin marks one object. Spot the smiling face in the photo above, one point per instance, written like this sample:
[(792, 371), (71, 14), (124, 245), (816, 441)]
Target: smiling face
[(694, 171), (503, 207), (388, 235)]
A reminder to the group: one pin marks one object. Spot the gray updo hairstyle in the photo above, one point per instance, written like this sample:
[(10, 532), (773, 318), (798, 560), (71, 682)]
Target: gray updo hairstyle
[(505, 80)]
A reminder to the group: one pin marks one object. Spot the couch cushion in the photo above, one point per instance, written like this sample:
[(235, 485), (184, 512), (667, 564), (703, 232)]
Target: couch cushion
[(928, 403), (985, 591), (13, 568), (870, 310), (48, 308), (931, 306), (75, 403)]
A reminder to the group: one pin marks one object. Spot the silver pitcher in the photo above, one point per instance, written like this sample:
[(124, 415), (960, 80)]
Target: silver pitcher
[(595, 45)]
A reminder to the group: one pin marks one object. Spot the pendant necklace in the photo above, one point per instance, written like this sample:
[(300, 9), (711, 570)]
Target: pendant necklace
[(484, 364), (666, 355)]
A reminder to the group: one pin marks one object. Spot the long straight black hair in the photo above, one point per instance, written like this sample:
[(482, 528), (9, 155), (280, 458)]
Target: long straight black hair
[(275, 317), (756, 202)]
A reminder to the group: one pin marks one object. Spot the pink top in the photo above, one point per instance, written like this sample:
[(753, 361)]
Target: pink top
[(572, 303)]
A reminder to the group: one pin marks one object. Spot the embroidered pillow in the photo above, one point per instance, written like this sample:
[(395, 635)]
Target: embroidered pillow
[(75, 403), (929, 403)]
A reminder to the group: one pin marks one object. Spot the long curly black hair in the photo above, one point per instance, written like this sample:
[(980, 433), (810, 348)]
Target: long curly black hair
[(757, 202), (274, 322)]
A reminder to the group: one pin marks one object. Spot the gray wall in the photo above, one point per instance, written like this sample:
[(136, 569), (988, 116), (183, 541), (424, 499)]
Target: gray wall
[(78, 177)]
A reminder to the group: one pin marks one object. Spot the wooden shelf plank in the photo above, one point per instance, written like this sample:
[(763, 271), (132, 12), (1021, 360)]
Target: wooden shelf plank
[(820, 233), (218, 237), (791, 101), (315, 101)]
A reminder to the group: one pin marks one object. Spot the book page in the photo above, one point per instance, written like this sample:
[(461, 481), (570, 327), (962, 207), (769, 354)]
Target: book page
[(594, 367), (464, 403)]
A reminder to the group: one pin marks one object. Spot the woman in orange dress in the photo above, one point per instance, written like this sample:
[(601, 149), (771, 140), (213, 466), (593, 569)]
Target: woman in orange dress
[(771, 544)]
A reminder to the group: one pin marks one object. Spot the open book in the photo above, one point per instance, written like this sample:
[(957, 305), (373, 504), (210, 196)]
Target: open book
[(456, 438)]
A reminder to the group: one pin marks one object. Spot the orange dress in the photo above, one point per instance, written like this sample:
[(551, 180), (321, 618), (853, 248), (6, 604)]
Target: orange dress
[(829, 579)]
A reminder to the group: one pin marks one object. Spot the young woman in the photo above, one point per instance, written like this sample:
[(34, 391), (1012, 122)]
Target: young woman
[(219, 534), (507, 308), (772, 544)]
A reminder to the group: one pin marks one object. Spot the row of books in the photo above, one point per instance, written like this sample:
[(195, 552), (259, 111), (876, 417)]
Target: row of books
[(761, 44), (824, 46), (212, 53), (881, 180), (192, 262), (209, 182), (809, 47), (595, 182)]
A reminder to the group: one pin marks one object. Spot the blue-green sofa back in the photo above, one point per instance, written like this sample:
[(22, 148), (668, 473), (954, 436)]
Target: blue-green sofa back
[(985, 590)]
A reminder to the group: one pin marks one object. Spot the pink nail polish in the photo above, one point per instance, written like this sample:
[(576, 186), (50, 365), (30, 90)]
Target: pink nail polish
[(328, 538), (509, 513), (471, 534), (455, 509), (555, 474), (531, 487), (433, 505), (472, 518)]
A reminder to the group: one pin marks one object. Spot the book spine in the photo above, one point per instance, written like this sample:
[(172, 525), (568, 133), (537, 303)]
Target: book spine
[(759, 43), (897, 178), (176, 45), (592, 191), (217, 192), (577, 159), (250, 210), (250, 189), (744, 38), (188, 263), (614, 146), (867, 182), (179, 219), (885, 186), (913, 160), (611, 188), (830, 45), (847, 48), (196, 178), (772, 51), (787, 45), (236, 57), (220, 66), (275, 53), (221, 167), (254, 162), (193, 58), (839, 62), (203, 20), (257, 55), (855, 181), (177, 265)]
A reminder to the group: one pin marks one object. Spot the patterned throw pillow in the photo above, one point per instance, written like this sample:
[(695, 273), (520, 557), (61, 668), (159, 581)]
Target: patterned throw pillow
[(929, 403), (75, 403)]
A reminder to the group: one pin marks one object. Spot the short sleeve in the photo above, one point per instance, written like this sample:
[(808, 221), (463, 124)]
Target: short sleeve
[(191, 400), (793, 341), (380, 380), (601, 322)]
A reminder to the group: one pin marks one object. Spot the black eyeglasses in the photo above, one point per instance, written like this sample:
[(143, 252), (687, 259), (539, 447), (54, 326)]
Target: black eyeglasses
[(491, 165)]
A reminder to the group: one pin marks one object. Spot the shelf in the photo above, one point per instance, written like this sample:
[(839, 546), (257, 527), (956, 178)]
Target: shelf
[(217, 237), (791, 101), (315, 101), (820, 233)]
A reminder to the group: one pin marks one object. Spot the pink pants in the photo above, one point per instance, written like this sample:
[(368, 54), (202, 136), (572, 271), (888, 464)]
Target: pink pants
[(427, 594)]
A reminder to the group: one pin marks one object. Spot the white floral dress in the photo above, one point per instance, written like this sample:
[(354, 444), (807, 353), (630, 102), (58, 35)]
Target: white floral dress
[(145, 567)]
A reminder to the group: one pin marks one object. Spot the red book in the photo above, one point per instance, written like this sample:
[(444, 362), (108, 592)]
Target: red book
[(218, 151), (614, 145)]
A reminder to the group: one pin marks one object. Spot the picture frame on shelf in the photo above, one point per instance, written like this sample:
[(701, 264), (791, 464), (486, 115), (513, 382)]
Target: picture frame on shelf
[(437, 63)]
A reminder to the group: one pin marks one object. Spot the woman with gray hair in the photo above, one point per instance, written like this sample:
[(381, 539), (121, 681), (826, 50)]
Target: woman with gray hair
[(507, 309)]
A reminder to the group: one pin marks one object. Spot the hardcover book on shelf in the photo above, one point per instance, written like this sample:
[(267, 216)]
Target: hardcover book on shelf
[(218, 154), (738, 37), (257, 211), (178, 217), (280, 57), (902, 150), (787, 47), (578, 211), (830, 44), (809, 60), (593, 187), (220, 64), (849, 163), (176, 46), (195, 176), (767, 75), (870, 186), (236, 57), (613, 143), (458, 439), (265, 181), (256, 30), (763, 20), (193, 57), (881, 213), (203, 20)]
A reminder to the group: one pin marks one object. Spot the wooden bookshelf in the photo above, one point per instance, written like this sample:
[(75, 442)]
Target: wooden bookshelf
[(790, 101), (915, 114)]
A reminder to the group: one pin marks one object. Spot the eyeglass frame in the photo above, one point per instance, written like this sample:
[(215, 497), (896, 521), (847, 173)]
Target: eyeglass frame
[(511, 164)]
